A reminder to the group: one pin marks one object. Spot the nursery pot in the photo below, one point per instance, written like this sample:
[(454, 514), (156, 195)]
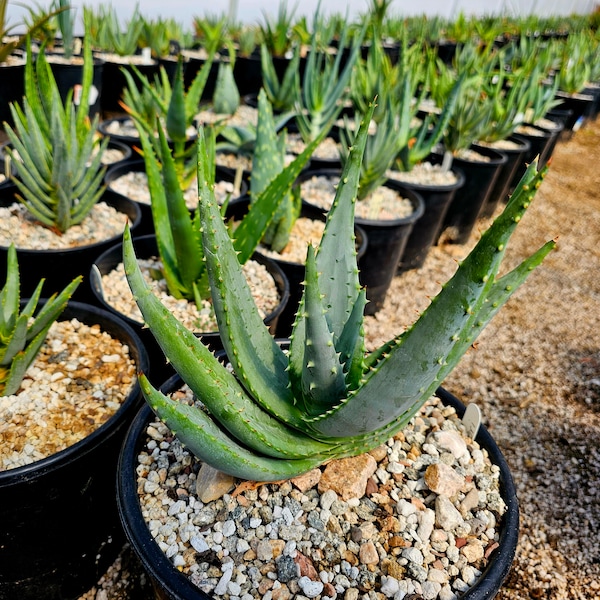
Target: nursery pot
[(68, 77), (425, 231), (539, 140), (466, 206), (114, 81), (170, 584), (137, 165), (60, 526), (60, 267), (387, 241), (12, 88), (582, 106), (515, 158), (146, 247)]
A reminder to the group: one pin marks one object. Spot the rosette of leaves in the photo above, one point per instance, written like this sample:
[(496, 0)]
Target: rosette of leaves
[(178, 234), (22, 332), (106, 32), (8, 42), (226, 98), (52, 147), (281, 413), (279, 91), (171, 104), (277, 34), (321, 91)]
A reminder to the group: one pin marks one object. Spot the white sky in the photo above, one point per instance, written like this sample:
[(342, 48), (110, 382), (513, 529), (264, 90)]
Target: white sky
[(253, 11)]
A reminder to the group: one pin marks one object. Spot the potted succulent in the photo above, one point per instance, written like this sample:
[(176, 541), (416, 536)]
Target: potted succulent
[(68, 392), (117, 46), (324, 398), (177, 244), (56, 211), (12, 66)]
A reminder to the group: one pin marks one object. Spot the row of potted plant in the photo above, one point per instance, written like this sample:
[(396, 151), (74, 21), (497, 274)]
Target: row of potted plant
[(283, 412)]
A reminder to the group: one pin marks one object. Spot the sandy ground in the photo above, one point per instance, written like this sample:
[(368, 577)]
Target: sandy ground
[(535, 374)]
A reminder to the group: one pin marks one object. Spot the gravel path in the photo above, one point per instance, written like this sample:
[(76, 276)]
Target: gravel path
[(535, 373)]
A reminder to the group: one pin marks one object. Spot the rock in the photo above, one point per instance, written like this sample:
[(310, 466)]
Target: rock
[(310, 588), (305, 566), (264, 551), (426, 521), (348, 476), (368, 554), (470, 501), (287, 568), (473, 551), (212, 484), (430, 590), (443, 480), (307, 481), (450, 441), (446, 515), (413, 555), (389, 586)]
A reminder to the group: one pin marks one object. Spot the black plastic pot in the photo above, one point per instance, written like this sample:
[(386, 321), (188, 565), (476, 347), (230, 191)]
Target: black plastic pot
[(247, 72), (138, 165), (60, 526), (386, 243), (539, 144), (60, 267), (114, 82), (425, 231), (192, 64), (466, 206), (516, 157), (12, 89), (294, 272), (582, 106), (68, 77), (146, 247), (170, 584), (128, 140)]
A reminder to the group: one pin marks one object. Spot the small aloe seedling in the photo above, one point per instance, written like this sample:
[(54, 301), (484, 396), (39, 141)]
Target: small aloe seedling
[(22, 334), (58, 174), (283, 413)]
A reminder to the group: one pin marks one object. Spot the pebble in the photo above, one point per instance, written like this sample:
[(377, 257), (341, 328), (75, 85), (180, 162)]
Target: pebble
[(318, 540)]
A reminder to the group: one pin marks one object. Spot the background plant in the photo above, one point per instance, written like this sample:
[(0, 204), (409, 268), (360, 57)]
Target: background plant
[(54, 147), (326, 397), (22, 332)]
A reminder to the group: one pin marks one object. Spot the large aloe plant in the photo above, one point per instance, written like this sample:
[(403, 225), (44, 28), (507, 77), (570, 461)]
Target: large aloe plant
[(283, 413), (21, 333)]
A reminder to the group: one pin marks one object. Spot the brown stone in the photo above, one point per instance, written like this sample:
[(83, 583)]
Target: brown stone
[(443, 480), (212, 484), (306, 566), (368, 554), (307, 481), (348, 476)]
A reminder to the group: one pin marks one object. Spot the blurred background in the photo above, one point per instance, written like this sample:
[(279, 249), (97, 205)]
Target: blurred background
[(254, 11)]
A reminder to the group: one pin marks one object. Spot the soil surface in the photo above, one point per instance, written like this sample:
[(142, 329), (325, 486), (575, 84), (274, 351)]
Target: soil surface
[(535, 373)]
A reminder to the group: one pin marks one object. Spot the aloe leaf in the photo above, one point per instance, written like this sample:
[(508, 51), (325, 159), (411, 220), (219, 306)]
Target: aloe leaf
[(176, 115), (52, 308), (410, 371), (322, 381), (218, 388), (199, 433), (256, 358), (226, 97), (254, 224)]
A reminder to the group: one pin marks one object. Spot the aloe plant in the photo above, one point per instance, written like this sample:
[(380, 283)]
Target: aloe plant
[(22, 332), (282, 413), (52, 147), (279, 91), (323, 89), (226, 97), (277, 33), (8, 43), (172, 105), (107, 34), (178, 231)]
